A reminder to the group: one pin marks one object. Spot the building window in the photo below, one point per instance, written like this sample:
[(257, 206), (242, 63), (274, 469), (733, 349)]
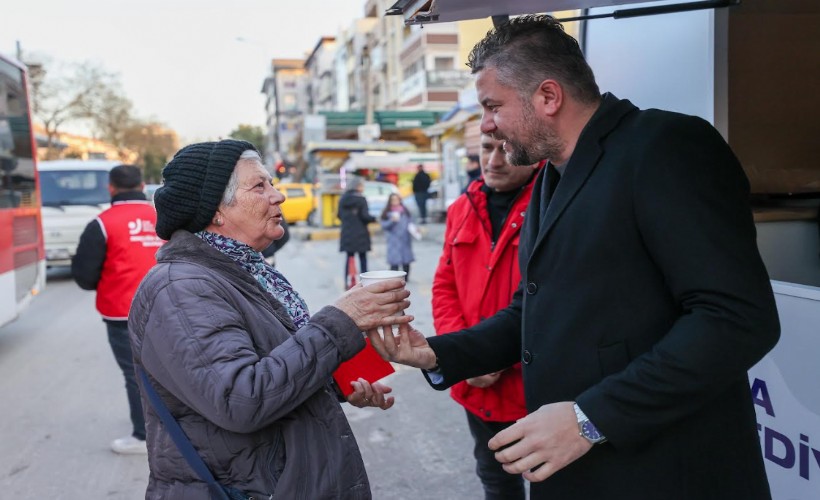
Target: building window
[(444, 63)]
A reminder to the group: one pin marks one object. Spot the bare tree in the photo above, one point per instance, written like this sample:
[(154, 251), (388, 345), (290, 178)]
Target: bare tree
[(64, 92), (110, 114)]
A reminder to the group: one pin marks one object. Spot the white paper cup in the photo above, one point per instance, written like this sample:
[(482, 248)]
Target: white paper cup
[(371, 277)]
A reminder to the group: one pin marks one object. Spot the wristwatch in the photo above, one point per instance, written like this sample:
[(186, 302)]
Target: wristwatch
[(586, 428)]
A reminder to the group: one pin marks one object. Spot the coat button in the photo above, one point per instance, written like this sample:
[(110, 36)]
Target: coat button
[(532, 288), (526, 358), (514, 225)]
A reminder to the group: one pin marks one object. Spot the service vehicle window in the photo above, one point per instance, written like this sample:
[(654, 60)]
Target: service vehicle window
[(74, 187)]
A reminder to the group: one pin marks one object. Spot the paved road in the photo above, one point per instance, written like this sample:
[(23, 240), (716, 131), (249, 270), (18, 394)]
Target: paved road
[(63, 400)]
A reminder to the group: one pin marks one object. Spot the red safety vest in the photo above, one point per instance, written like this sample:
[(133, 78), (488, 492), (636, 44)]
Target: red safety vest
[(131, 244)]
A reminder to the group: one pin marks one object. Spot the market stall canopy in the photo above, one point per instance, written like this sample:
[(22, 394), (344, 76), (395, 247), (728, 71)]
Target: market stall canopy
[(442, 11), (355, 146), (390, 161)]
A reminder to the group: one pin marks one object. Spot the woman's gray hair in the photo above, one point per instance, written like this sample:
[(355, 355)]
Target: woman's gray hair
[(229, 196)]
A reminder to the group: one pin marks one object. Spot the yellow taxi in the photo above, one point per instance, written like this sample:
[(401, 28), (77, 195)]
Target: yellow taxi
[(300, 202)]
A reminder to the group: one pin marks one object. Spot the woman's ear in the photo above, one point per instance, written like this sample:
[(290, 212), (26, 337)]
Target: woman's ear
[(217, 220)]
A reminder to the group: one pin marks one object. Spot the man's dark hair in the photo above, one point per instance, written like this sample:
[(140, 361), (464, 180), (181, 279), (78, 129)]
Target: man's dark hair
[(125, 177), (527, 50), (473, 159)]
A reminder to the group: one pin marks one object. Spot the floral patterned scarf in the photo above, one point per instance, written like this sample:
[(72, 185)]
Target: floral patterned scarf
[(271, 280)]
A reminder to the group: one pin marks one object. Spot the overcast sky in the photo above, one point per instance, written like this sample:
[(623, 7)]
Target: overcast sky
[(179, 60)]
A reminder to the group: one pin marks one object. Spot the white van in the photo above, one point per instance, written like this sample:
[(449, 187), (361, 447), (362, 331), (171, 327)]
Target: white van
[(74, 192)]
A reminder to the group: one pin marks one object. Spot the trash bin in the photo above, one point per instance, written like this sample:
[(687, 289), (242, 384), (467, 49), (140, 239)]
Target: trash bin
[(329, 208)]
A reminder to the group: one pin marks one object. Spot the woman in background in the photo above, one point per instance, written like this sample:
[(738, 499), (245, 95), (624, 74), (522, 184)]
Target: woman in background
[(396, 221)]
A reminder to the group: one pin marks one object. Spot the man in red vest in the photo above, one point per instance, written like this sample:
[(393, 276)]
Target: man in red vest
[(116, 251), (477, 275)]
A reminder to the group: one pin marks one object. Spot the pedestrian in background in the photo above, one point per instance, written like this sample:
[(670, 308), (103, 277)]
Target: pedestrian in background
[(396, 223), (421, 191), (231, 350), (355, 237), (473, 171), (476, 277), (643, 300), (115, 252)]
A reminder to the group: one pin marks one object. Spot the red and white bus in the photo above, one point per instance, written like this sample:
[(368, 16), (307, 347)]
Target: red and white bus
[(22, 257)]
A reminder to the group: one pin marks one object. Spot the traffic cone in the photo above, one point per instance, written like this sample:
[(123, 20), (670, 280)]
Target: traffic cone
[(351, 279)]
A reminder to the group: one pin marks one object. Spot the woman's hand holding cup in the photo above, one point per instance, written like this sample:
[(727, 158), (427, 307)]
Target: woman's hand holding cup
[(375, 304)]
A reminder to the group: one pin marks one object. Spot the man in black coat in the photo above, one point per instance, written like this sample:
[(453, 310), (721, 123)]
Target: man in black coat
[(643, 299), (421, 191)]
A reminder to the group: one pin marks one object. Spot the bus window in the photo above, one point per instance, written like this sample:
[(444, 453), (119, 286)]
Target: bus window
[(22, 257)]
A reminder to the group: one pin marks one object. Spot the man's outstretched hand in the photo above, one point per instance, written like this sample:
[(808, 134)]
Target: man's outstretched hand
[(409, 347)]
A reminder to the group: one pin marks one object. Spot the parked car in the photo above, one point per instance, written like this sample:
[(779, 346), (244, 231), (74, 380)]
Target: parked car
[(376, 194), (149, 191), (300, 202), (74, 192)]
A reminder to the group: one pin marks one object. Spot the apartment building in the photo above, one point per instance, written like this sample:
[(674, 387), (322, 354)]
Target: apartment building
[(287, 99), (320, 70)]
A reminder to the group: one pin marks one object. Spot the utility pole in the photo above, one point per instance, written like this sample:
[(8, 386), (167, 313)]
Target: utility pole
[(368, 97)]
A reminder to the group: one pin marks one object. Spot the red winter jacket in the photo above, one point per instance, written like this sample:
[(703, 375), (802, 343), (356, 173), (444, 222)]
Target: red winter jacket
[(472, 282)]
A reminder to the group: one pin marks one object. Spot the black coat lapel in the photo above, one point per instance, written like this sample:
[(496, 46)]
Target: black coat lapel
[(584, 159)]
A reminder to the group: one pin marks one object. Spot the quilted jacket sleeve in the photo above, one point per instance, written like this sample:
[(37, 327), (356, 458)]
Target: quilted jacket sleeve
[(196, 345)]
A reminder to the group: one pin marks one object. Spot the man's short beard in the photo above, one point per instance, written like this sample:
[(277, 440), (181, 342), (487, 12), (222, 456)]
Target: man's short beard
[(544, 144)]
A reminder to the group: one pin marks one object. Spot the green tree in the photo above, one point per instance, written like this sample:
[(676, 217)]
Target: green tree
[(251, 133), (154, 143)]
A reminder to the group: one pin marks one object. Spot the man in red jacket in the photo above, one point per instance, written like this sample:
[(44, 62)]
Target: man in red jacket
[(116, 251), (476, 276)]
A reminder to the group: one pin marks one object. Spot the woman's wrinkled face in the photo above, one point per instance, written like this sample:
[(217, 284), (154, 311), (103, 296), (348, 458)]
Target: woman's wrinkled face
[(255, 216)]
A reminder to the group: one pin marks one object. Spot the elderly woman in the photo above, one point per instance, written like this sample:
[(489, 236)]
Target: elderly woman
[(231, 350)]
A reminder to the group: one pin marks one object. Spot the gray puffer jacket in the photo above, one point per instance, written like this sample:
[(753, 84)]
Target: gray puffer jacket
[(250, 392)]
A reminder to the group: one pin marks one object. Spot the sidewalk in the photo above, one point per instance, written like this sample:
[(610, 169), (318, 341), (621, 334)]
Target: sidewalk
[(433, 231)]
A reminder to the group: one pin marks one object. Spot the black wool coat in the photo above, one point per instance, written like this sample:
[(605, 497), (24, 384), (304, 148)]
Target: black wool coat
[(644, 299), (353, 213)]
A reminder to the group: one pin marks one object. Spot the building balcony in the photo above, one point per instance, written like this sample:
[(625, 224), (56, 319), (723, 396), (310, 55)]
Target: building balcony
[(422, 82)]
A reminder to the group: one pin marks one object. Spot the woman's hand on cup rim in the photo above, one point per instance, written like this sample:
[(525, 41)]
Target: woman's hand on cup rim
[(377, 304)]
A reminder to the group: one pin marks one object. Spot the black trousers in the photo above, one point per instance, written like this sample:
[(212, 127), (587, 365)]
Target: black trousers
[(498, 483), (362, 267), (405, 268), (121, 347)]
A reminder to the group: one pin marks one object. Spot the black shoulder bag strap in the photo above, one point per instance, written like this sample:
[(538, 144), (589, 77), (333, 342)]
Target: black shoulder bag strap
[(181, 440)]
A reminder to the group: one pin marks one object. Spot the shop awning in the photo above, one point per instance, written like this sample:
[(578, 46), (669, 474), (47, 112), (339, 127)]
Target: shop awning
[(388, 120), (455, 121)]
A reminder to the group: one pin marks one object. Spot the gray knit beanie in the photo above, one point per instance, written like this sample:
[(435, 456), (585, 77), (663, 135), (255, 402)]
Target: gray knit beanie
[(193, 184)]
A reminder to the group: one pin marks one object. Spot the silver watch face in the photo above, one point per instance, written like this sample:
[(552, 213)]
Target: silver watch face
[(590, 432)]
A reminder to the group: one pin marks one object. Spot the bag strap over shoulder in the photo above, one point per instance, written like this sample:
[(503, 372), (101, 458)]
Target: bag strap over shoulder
[(181, 440)]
